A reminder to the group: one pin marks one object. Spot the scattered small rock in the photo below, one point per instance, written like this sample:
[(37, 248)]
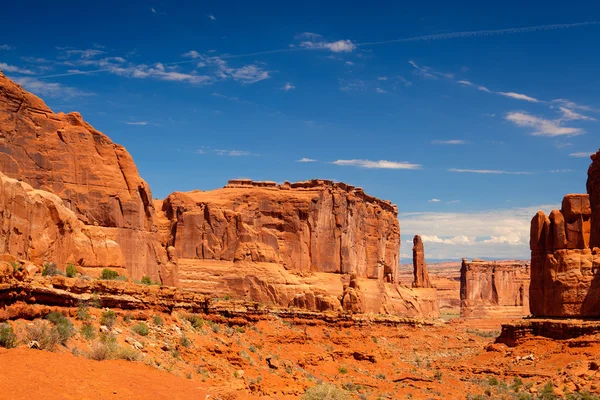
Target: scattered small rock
[(33, 345), (594, 366), (273, 363), (239, 373), (104, 329)]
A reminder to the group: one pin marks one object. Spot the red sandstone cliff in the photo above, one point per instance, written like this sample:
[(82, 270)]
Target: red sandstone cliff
[(316, 226), (421, 276), (95, 178), (565, 272), (494, 288)]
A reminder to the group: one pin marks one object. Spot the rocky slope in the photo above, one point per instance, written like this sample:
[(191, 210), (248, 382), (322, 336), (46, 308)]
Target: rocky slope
[(565, 271), (96, 178), (494, 289)]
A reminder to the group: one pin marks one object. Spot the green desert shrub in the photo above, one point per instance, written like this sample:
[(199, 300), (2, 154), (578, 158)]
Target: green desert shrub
[(87, 331), (128, 354), (109, 274), (8, 338), (325, 391), (158, 321), (63, 325), (71, 270), (196, 321), (141, 329), (108, 318), (146, 280)]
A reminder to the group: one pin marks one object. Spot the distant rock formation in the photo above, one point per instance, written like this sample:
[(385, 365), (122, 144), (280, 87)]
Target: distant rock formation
[(419, 266), (95, 178), (494, 288), (565, 271), (316, 225)]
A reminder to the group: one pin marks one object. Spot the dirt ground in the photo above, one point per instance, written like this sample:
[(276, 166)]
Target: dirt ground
[(184, 356)]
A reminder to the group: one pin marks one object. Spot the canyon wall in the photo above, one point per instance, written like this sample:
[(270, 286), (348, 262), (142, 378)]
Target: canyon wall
[(565, 271), (315, 225), (494, 289), (95, 178)]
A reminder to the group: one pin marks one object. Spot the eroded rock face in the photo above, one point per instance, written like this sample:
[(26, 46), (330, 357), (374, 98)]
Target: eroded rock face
[(593, 189), (317, 226), (419, 266), (565, 272), (96, 178), (496, 288), (38, 227)]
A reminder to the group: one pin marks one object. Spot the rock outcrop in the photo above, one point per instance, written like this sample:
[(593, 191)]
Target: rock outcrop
[(496, 288), (95, 178), (317, 226), (565, 271), (419, 266), (37, 226)]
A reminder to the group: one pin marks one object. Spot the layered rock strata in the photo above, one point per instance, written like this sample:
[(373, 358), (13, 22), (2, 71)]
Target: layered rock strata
[(494, 289), (317, 226), (421, 276), (565, 271), (95, 178)]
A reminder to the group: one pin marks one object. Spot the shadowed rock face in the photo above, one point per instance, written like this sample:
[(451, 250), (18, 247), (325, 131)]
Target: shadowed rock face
[(95, 178), (494, 288), (317, 226), (565, 271), (419, 266)]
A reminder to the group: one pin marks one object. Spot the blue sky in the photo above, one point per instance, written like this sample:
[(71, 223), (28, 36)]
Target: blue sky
[(457, 113)]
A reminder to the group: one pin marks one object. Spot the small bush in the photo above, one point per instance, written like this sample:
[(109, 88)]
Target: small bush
[(141, 329), (83, 313), (109, 274), (185, 342), (493, 381), (108, 318), (17, 266), (100, 351), (8, 339), (146, 280), (129, 354), (438, 375), (87, 331), (44, 333), (64, 326), (196, 321), (71, 270), (50, 269), (343, 370), (547, 392), (158, 321), (325, 391)]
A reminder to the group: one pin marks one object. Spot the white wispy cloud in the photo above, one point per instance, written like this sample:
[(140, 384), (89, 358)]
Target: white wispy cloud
[(574, 106), (452, 141), (306, 160), (470, 234), (288, 86), (381, 164), (479, 87), (212, 17), (556, 171), (380, 90), (140, 123), (518, 96), (434, 200), (489, 171), (232, 153), (340, 46), (50, 89), (428, 72), (5, 47), (317, 42), (581, 154), (570, 115), (12, 68), (542, 126)]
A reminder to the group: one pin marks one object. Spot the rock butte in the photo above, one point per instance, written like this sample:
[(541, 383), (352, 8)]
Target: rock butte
[(565, 272), (291, 244), (71, 195), (494, 289)]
